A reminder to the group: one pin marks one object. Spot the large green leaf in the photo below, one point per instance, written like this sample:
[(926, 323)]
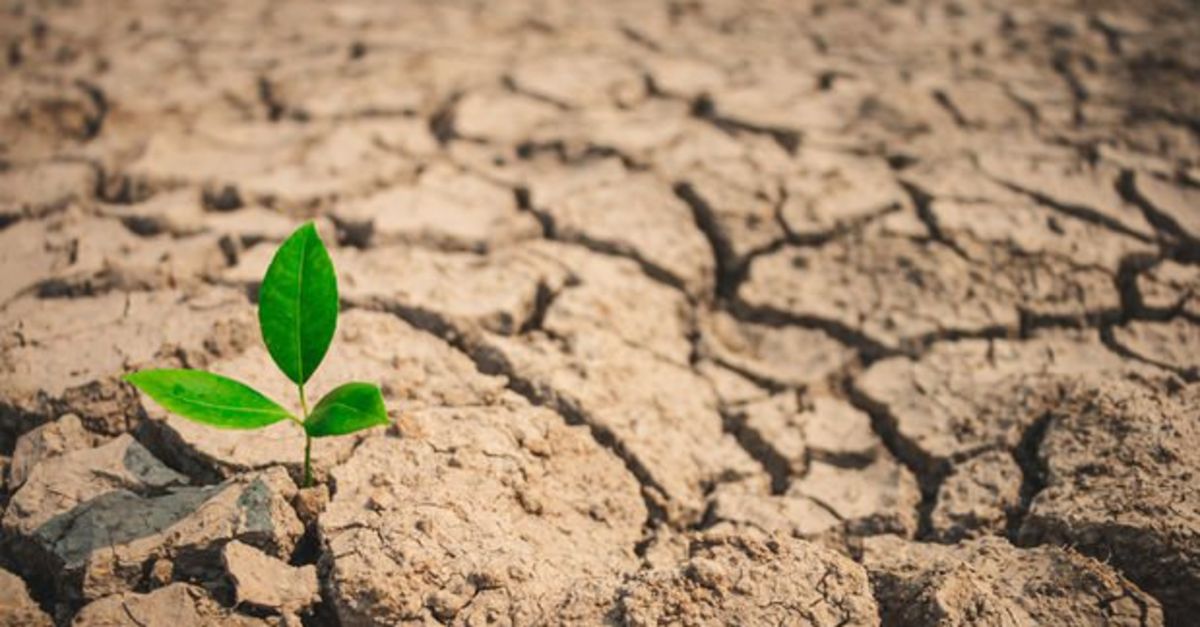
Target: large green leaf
[(298, 304), (349, 408), (208, 398)]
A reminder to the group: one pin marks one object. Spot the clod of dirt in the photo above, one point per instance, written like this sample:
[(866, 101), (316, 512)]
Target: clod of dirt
[(833, 191), (732, 389), (871, 495), (446, 209), (75, 255), (181, 213), (285, 165), (892, 291), (661, 416), (579, 78), (901, 293), (16, 607), (792, 515), (1120, 464), (632, 214), (490, 513), (838, 433), (734, 186), (966, 396), (264, 582), (176, 212), (611, 294), (177, 605), (772, 430), (1170, 287), (881, 497), (146, 511), (977, 497), (413, 368), (738, 579), (310, 502), (60, 356), (981, 229), (786, 356), (497, 115), (990, 582), (1071, 187), (45, 442), (1174, 344)]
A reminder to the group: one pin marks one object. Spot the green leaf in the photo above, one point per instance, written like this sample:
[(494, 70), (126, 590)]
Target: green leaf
[(208, 398), (298, 304), (349, 408)]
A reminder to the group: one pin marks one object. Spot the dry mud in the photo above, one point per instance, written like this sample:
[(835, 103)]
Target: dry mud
[(691, 313)]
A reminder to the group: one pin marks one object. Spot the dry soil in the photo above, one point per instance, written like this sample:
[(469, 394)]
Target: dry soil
[(700, 312)]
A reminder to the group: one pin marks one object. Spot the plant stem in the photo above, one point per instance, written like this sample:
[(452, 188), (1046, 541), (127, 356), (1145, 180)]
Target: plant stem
[(308, 476)]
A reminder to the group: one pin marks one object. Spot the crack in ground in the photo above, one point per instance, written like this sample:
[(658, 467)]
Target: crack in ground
[(1182, 248), (704, 108), (1032, 473), (728, 273), (1080, 212), (922, 202), (930, 473), (491, 362)]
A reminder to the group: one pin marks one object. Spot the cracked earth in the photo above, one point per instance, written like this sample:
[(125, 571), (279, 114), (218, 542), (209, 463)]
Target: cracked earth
[(811, 313)]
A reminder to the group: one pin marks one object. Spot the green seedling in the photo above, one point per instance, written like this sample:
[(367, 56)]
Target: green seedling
[(297, 313)]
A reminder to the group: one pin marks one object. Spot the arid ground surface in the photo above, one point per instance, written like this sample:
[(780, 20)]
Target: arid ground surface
[(700, 312)]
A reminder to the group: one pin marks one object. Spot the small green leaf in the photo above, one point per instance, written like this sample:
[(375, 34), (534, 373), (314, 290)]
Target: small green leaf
[(349, 408), (298, 304), (208, 398)]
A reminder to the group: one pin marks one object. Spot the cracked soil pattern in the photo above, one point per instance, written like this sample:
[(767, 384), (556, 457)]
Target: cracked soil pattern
[(695, 312)]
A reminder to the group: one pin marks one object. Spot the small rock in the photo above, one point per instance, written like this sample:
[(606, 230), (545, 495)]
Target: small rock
[(176, 605), (266, 582), (87, 523), (47, 441), (162, 572), (310, 502)]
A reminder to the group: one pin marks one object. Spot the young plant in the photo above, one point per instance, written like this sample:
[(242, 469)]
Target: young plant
[(297, 313)]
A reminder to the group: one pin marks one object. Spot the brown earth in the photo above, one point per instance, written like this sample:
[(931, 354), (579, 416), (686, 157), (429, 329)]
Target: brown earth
[(688, 313)]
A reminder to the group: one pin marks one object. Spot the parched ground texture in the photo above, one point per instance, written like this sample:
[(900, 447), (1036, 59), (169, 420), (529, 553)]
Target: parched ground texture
[(692, 313)]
